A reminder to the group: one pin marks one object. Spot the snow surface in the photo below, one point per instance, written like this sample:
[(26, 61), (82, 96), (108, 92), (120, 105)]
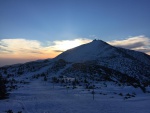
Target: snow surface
[(41, 97)]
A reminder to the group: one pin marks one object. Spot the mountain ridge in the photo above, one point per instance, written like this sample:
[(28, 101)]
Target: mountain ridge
[(130, 62), (100, 49), (106, 62)]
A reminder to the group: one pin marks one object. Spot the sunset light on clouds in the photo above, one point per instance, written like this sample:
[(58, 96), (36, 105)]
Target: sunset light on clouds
[(138, 43), (33, 49)]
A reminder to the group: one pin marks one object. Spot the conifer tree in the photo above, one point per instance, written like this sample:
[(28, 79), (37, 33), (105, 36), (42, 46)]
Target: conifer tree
[(3, 89)]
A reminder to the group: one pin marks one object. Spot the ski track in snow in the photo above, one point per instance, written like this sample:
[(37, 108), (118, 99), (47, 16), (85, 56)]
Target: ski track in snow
[(40, 97)]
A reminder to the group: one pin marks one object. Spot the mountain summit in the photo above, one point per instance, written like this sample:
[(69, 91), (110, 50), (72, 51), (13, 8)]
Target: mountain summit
[(99, 50), (91, 51), (130, 62)]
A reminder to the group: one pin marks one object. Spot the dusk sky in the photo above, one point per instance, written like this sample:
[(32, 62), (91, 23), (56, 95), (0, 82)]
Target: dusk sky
[(40, 29)]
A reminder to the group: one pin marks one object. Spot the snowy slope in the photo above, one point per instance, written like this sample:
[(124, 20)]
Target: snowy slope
[(92, 51), (119, 77), (41, 97), (142, 57), (129, 62), (98, 49)]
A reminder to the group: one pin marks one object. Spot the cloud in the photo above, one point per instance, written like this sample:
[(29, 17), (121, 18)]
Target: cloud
[(21, 50), (2, 50), (33, 49), (138, 43), (18, 47), (58, 51), (2, 45), (64, 45)]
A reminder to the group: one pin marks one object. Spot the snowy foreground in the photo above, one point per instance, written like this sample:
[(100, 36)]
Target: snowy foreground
[(41, 97)]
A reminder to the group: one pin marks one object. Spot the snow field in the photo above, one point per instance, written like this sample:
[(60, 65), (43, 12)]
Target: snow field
[(41, 97)]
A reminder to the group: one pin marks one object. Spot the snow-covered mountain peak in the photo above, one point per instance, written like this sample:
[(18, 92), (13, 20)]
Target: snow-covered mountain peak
[(100, 42), (90, 51), (125, 61)]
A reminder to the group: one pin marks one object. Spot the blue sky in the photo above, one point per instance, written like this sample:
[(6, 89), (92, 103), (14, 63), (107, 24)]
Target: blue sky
[(48, 21), (66, 19)]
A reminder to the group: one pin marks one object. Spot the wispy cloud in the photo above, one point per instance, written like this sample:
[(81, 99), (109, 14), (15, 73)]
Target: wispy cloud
[(18, 48), (3, 50), (59, 51), (3, 45), (138, 43)]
